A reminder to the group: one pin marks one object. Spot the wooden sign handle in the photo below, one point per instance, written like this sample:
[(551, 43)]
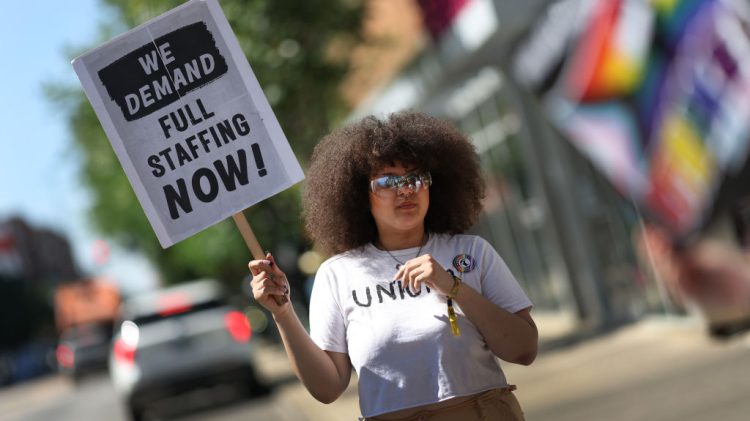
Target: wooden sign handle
[(252, 244)]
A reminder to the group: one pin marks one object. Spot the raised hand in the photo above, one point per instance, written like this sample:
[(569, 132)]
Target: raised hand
[(269, 284)]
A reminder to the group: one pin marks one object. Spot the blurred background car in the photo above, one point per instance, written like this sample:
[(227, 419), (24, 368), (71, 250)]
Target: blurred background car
[(180, 339), (84, 349), (85, 313)]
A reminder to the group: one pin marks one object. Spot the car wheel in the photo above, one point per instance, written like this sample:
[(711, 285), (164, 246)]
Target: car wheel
[(252, 386), (135, 413), (77, 378)]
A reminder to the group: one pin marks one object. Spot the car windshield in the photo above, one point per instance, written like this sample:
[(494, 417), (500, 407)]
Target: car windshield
[(89, 330), (175, 311)]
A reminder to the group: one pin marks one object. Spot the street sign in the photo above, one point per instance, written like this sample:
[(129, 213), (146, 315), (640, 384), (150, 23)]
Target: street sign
[(188, 120)]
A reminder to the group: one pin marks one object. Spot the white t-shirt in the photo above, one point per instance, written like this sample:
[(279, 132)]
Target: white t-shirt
[(400, 342)]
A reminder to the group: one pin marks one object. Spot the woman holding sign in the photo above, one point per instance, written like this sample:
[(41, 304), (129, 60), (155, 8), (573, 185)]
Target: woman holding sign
[(420, 310)]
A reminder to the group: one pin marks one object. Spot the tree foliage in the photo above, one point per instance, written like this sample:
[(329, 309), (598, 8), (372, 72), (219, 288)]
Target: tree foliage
[(291, 46)]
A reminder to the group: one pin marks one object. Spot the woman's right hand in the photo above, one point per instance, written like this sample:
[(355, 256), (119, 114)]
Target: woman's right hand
[(269, 285)]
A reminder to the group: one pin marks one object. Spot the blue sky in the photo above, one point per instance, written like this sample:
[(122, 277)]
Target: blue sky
[(38, 167)]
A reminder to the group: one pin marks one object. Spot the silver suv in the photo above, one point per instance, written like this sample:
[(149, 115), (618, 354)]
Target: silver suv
[(178, 339)]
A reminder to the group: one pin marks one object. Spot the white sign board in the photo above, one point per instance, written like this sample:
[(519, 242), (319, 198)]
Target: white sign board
[(188, 120)]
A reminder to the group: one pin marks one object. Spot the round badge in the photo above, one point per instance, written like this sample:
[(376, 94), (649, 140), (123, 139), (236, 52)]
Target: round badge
[(463, 263)]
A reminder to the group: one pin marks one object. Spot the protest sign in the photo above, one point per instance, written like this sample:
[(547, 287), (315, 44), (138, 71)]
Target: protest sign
[(188, 120)]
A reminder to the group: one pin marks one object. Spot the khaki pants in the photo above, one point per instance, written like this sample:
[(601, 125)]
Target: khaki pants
[(495, 404)]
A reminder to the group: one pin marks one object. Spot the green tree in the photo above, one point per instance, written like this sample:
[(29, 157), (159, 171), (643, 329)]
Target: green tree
[(294, 48)]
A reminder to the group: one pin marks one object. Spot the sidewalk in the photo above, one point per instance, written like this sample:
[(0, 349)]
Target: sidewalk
[(602, 371), (656, 369), (273, 367)]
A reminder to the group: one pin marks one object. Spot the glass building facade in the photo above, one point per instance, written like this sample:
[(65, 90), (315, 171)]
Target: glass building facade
[(561, 228)]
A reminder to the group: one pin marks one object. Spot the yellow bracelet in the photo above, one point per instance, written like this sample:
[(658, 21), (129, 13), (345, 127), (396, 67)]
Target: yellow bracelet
[(456, 286)]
